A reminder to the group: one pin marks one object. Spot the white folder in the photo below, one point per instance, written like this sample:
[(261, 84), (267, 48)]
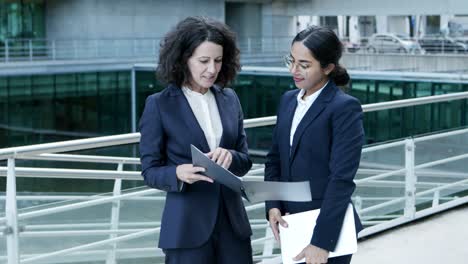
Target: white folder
[(298, 234)]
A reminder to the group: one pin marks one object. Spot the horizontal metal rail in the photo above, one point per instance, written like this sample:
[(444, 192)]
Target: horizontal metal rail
[(70, 145), (92, 245), (82, 158), (69, 207), (271, 120), (131, 138)]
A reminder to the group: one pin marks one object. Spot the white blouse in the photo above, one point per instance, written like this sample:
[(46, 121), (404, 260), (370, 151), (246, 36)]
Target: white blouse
[(206, 112), (301, 109)]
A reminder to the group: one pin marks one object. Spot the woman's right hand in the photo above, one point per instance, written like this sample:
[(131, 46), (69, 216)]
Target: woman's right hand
[(275, 218), (189, 174)]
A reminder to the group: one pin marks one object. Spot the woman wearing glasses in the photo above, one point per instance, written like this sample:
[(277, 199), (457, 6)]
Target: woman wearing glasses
[(318, 137)]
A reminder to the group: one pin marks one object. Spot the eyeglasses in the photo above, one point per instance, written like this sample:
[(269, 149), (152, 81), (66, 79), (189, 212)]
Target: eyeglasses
[(289, 62)]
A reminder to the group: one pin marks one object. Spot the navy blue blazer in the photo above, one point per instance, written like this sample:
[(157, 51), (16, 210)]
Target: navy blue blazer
[(326, 151), (168, 127)]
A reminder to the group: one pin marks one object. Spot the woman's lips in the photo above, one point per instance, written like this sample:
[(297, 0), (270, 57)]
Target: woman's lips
[(212, 78), (297, 79)]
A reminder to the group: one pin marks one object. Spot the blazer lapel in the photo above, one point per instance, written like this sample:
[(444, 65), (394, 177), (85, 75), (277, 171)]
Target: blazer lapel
[(315, 109), (189, 118), (226, 111), (290, 110)]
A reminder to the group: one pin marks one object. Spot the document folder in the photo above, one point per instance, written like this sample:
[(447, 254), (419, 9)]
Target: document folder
[(298, 234), (252, 191)]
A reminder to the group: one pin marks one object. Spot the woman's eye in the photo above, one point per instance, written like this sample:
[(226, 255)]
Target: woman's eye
[(304, 67)]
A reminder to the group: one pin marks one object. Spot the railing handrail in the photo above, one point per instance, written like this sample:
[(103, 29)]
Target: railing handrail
[(130, 138), (374, 74), (271, 120), (70, 145)]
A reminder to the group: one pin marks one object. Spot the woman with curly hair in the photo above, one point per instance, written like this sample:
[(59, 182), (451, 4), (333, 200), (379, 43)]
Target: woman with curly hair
[(203, 221)]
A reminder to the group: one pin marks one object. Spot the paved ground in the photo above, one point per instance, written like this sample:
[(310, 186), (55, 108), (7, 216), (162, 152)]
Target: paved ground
[(439, 239)]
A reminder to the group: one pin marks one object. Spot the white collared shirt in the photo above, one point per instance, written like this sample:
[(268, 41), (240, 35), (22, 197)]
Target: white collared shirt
[(206, 112), (301, 109)]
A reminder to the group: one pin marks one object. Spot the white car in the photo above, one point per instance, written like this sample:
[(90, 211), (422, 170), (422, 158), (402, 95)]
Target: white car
[(392, 43)]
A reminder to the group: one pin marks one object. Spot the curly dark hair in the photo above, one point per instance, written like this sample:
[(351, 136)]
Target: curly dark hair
[(179, 44)]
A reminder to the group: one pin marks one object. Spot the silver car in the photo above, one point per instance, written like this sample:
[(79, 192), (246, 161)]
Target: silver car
[(392, 43)]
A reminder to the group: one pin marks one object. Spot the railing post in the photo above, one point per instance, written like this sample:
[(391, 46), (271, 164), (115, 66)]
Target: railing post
[(436, 198), (410, 179), (30, 50), (115, 217), (11, 213), (269, 243), (7, 51), (358, 204), (133, 99)]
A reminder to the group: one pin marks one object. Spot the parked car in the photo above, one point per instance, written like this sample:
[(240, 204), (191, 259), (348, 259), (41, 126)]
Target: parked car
[(442, 44), (392, 43), (350, 46)]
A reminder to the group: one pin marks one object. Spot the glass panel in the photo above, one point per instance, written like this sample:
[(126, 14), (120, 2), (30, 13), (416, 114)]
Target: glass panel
[(21, 20), (43, 102), (370, 193), (450, 148), (92, 224), (113, 103)]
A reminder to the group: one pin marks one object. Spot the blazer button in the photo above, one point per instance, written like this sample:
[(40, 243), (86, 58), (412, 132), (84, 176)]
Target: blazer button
[(167, 187)]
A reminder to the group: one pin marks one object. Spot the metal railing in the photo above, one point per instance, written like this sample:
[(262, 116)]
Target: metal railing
[(260, 48), (409, 185)]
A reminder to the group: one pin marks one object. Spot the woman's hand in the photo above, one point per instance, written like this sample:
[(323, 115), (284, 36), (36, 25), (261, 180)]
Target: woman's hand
[(313, 255), (275, 218), (221, 156), (189, 174)]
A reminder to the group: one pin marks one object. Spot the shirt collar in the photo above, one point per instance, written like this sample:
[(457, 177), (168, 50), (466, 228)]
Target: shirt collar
[(189, 92), (311, 98)]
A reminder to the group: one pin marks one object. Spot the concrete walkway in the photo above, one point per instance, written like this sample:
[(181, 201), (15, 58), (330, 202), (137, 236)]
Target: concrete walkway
[(442, 238)]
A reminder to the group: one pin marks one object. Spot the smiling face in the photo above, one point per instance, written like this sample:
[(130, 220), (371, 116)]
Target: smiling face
[(307, 72), (204, 66)]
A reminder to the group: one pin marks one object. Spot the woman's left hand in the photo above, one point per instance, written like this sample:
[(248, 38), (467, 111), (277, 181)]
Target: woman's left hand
[(313, 255), (221, 156)]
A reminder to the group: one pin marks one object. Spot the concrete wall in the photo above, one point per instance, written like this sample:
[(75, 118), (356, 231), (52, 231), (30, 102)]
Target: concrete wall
[(377, 7), (99, 19), (276, 23), (405, 62), (245, 19), (398, 24)]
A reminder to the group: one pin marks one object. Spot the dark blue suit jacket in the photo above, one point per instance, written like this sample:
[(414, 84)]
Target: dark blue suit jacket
[(168, 127), (326, 151)]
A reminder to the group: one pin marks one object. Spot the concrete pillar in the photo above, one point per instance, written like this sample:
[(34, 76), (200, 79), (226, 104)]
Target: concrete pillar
[(382, 24), (341, 26), (420, 26), (354, 34), (315, 21), (407, 25), (444, 19), (398, 25), (303, 22)]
